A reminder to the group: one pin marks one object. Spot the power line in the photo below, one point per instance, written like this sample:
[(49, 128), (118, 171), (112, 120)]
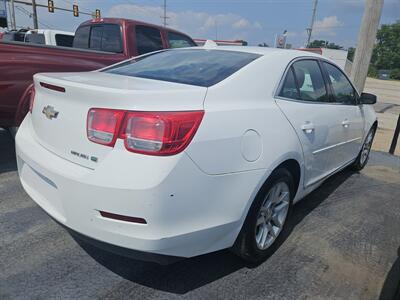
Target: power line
[(29, 14)]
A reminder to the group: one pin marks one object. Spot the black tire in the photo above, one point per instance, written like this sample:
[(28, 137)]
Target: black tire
[(246, 245), (361, 161)]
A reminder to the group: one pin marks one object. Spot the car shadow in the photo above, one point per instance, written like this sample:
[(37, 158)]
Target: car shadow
[(189, 274), (7, 152), (391, 286)]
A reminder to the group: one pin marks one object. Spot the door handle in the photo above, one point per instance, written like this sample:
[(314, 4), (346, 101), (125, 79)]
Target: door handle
[(308, 127), (346, 123)]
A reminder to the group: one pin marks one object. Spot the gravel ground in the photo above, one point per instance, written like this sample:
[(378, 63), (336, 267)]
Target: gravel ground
[(344, 244)]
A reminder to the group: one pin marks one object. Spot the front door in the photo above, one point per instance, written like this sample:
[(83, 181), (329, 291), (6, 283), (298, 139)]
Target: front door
[(352, 120)]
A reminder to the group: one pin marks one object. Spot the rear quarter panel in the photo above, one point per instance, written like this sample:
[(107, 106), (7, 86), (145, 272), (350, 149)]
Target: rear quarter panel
[(243, 129)]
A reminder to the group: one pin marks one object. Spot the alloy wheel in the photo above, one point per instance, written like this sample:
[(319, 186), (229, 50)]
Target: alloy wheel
[(272, 215)]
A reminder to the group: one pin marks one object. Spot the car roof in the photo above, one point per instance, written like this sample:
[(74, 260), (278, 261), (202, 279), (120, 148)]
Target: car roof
[(270, 52)]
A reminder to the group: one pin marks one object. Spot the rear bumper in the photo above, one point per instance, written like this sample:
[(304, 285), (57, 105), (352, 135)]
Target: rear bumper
[(188, 213)]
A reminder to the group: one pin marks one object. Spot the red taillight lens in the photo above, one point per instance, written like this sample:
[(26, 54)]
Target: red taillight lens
[(152, 133), (31, 99), (160, 133), (103, 125)]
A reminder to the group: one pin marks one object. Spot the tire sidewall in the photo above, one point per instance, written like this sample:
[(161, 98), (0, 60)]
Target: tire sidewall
[(358, 166), (246, 241)]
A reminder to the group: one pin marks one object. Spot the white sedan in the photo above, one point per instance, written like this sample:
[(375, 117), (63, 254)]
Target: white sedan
[(188, 151)]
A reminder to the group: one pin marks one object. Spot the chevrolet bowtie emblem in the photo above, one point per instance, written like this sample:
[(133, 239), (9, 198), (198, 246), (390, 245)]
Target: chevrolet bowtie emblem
[(49, 112)]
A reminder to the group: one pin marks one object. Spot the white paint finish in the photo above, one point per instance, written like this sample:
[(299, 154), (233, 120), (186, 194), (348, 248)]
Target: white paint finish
[(194, 202), (49, 35), (327, 144), (83, 91)]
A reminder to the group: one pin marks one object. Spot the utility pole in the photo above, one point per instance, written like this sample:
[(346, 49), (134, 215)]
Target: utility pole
[(34, 15), (310, 29), (165, 13), (12, 10), (366, 41)]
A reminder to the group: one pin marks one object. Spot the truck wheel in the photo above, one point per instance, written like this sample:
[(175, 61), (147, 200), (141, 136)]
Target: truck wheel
[(265, 224)]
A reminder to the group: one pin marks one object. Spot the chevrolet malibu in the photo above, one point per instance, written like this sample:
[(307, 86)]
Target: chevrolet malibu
[(184, 152)]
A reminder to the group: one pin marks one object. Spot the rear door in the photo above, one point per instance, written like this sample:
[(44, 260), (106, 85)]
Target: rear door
[(352, 121), (305, 100)]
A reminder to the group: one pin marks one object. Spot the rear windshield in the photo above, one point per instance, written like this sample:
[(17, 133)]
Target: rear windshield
[(195, 67)]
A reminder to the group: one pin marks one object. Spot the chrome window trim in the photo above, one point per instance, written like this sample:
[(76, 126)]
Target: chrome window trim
[(319, 60)]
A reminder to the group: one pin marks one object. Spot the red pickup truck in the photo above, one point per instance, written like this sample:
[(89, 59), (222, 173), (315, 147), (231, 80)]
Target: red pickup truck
[(97, 43)]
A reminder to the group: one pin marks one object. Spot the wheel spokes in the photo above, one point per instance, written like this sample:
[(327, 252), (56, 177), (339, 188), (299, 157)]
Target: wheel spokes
[(272, 215)]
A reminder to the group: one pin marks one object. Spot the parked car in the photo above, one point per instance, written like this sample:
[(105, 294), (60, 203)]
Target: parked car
[(188, 151), (97, 43), (49, 37)]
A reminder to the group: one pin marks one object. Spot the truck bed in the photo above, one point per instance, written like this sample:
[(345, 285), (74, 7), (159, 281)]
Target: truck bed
[(20, 61)]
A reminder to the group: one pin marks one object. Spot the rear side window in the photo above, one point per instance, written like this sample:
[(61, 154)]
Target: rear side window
[(81, 39), (342, 89), (176, 40), (289, 89), (35, 38), (95, 38), (195, 67), (64, 40), (148, 39), (111, 39), (104, 37), (309, 82)]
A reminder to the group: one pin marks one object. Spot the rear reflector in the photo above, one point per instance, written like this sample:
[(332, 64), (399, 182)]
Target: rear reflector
[(108, 215), (151, 133), (53, 87)]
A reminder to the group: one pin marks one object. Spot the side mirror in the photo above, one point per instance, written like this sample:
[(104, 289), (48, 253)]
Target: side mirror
[(367, 98)]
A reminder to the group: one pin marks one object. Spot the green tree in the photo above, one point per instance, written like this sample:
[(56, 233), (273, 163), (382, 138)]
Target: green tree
[(323, 44), (386, 54), (350, 53)]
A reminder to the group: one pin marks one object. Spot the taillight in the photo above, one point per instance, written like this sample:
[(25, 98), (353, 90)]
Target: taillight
[(152, 133), (103, 125), (160, 133), (31, 99)]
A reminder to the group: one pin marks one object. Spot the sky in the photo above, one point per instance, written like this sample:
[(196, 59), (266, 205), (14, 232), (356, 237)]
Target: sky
[(256, 21)]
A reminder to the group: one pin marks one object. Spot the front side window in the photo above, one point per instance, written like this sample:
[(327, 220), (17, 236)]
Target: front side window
[(148, 39), (188, 66), (177, 40), (310, 81), (342, 89)]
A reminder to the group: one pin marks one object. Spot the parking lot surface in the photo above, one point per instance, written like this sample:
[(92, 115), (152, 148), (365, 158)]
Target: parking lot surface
[(344, 244)]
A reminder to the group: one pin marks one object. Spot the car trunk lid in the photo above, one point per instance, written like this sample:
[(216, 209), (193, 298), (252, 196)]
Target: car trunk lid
[(63, 100)]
